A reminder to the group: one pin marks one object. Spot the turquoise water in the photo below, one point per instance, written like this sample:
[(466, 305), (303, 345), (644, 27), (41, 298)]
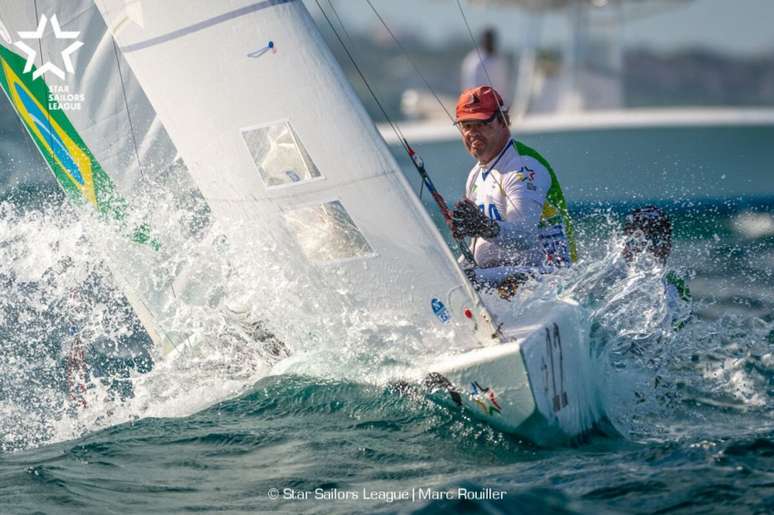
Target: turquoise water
[(690, 426), (717, 184), (632, 165)]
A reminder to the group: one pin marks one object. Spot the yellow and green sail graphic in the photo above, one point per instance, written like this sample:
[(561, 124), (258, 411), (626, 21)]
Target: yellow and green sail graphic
[(74, 166)]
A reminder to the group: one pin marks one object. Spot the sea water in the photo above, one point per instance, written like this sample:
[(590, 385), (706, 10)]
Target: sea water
[(689, 422)]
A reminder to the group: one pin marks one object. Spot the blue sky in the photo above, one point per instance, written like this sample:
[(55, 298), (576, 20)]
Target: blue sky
[(736, 27)]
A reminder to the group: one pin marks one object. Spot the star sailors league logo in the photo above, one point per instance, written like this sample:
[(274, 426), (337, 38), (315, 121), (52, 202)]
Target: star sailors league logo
[(65, 54)]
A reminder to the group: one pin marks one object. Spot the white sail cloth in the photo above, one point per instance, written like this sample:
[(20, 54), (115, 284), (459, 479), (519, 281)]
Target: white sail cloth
[(274, 136)]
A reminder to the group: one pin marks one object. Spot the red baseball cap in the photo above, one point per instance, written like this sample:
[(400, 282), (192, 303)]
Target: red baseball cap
[(479, 103)]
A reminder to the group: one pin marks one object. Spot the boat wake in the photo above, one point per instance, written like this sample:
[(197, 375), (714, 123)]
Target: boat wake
[(657, 379), (75, 359)]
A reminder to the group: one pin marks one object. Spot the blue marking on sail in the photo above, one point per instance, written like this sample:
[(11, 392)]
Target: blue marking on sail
[(261, 51), (55, 142)]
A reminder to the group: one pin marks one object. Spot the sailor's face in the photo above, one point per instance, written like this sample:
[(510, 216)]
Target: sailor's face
[(483, 139)]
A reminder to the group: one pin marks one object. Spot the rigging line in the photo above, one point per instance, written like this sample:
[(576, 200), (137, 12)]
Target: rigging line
[(126, 106), (475, 45), (408, 57), (363, 78), (418, 163), (338, 18)]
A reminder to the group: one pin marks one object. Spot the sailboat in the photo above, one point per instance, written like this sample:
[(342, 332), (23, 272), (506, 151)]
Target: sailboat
[(273, 139)]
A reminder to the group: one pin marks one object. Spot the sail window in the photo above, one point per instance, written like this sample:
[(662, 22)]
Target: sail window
[(278, 154), (327, 233)]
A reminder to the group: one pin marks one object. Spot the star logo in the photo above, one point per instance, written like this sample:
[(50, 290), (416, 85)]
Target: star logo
[(485, 398), (526, 173), (58, 34)]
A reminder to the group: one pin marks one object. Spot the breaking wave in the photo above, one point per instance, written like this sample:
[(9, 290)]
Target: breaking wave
[(74, 357)]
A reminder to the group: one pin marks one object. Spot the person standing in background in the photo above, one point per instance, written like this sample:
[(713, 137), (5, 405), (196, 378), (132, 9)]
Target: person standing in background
[(485, 65)]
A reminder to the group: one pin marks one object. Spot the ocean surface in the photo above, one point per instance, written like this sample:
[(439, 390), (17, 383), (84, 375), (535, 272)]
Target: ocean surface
[(689, 429)]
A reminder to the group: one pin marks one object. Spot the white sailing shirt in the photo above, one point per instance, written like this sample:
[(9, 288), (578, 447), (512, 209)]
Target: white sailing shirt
[(522, 194)]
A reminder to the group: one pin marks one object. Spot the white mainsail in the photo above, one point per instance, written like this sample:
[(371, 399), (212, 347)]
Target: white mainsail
[(274, 136)]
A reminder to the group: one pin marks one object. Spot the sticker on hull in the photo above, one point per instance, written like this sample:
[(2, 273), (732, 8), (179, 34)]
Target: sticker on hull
[(440, 311)]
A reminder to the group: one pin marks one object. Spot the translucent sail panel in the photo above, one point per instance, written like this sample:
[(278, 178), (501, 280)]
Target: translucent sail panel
[(279, 155), (327, 233)]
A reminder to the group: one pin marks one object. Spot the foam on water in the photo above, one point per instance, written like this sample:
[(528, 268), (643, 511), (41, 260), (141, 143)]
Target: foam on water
[(654, 375), (242, 314), (234, 316)]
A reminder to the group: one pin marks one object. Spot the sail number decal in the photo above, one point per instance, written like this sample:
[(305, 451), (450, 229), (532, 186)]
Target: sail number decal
[(555, 361)]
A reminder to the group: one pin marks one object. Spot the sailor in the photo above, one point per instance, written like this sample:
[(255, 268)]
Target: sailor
[(485, 65), (513, 209), (649, 230)]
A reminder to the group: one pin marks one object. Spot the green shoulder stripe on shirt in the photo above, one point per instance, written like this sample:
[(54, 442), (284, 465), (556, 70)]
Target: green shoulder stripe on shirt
[(554, 197)]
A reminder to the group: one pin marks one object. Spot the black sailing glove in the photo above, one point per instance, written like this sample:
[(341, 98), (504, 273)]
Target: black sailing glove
[(469, 221)]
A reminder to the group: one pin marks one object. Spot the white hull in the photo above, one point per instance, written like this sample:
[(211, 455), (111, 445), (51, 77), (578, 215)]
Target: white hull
[(536, 386)]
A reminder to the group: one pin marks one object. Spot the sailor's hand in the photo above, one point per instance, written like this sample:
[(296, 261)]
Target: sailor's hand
[(468, 220)]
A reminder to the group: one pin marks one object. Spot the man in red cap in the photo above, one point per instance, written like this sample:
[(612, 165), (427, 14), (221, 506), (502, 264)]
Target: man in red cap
[(513, 208)]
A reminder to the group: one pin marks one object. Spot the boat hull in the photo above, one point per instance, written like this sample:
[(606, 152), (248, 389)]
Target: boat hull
[(537, 385)]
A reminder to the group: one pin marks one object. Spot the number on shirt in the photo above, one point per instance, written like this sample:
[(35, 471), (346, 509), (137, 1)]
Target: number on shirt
[(491, 211)]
